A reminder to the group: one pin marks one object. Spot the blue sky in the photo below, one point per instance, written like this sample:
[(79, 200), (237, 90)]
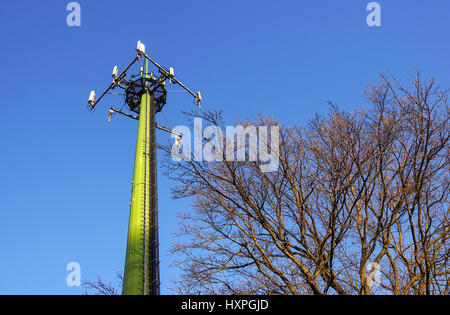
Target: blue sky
[(65, 174)]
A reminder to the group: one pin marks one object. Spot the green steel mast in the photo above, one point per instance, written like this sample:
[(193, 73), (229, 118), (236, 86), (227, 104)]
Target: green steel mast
[(146, 96), (141, 272)]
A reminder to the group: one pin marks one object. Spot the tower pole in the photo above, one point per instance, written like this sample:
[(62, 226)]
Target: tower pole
[(142, 258), (145, 95)]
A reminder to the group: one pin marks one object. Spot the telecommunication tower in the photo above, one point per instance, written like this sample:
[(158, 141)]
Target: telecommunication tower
[(145, 96)]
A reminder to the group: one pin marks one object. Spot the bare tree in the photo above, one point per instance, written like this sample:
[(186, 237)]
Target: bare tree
[(99, 287), (358, 205)]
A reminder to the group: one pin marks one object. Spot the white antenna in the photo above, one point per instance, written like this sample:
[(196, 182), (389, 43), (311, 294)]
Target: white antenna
[(178, 141), (140, 48), (115, 72), (171, 74), (111, 112), (92, 98), (199, 99)]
